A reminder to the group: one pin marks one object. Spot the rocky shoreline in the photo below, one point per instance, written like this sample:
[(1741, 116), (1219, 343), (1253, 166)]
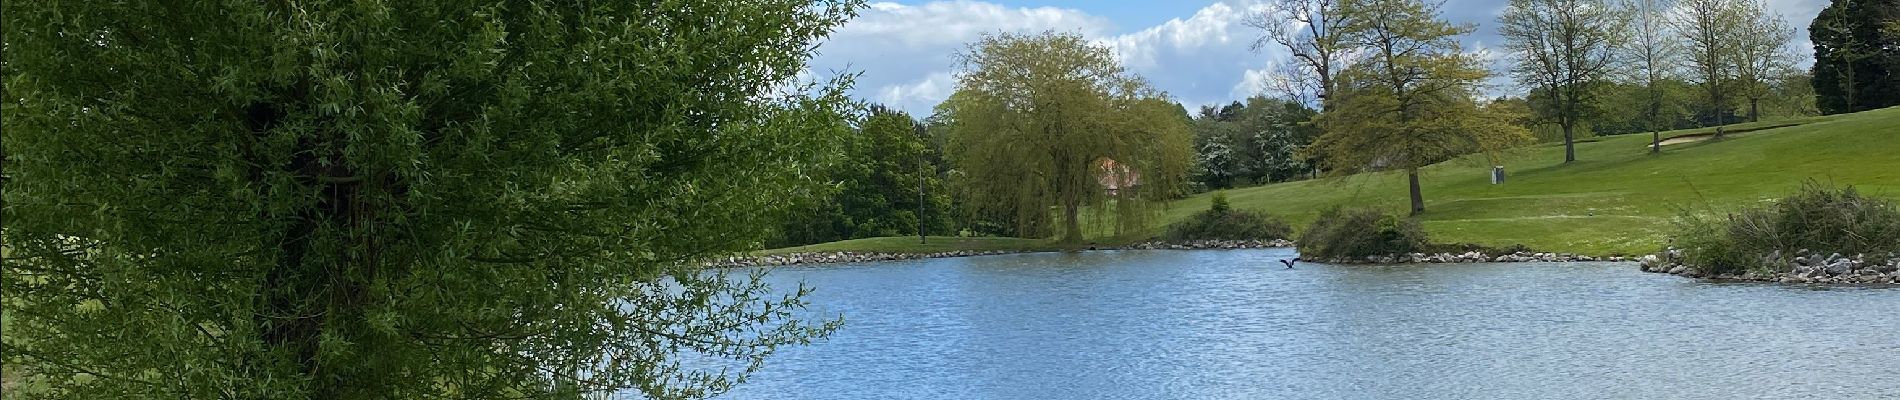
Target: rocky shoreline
[(1471, 257), (1805, 267), (836, 257)]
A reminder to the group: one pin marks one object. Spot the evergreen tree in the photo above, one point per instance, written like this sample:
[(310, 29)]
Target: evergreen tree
[(1856, 55)]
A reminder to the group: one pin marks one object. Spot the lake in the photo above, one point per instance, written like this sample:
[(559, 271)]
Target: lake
[(1235, 324)]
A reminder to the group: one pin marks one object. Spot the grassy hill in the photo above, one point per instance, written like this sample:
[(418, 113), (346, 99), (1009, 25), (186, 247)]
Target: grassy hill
[(1616, 199)]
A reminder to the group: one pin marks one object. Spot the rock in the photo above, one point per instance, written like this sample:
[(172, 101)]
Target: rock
[(1840, 267), (1678, 270), (1650, 261)]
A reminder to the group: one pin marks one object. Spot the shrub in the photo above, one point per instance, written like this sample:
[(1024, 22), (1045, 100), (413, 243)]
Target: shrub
[(1352, 233), (1222, 222), (1817, 217)]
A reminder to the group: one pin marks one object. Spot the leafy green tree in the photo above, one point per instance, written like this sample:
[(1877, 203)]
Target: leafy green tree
[(1254, 142), (1565, 48), (1856, 50), (1409, 102), (877, 186), (403, 199), (1050, 120), (1625, 107)]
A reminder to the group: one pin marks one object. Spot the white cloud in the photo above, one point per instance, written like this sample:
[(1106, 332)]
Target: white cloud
[(930, 90), (907, 52), (1252, 82), (1217, 25)]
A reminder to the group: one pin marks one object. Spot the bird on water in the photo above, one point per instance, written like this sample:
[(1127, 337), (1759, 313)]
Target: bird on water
[(1289, 262)]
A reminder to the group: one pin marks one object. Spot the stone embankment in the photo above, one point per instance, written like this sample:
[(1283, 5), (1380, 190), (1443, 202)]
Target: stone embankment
[(1805, 267), (1211, 244), (1471, 257), (832, 257)]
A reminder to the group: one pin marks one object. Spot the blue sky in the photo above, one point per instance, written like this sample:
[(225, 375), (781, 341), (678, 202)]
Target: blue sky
[(1197, 51)]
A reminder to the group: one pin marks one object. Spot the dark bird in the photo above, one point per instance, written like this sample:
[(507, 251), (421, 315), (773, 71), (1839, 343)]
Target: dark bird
[(1289, 262)]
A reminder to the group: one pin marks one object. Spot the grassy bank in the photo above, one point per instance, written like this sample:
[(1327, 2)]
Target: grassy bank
[(1616, 199)]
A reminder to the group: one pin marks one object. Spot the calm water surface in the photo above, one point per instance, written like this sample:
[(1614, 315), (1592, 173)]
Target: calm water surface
[(1235, 325)]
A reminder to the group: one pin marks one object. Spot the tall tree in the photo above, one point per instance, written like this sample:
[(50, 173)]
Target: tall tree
[(403, 199), (1051, 120), (1711, 28), (1650, 54), (1565, 48), (1856, 51), (876, 184), (1761, 52), (1410, 102), (1312, 33)]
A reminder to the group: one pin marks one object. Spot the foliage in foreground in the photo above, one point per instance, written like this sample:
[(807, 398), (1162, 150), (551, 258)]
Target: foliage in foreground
[(403, 200), (1361, 232), (1817, 218), (1222, 222)]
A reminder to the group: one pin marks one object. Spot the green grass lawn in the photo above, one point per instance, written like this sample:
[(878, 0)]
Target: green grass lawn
[(1616, 199)]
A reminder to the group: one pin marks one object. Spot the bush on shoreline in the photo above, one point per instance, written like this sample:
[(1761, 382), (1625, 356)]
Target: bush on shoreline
[(1353, 233), (1222, 222), (1817, 217)]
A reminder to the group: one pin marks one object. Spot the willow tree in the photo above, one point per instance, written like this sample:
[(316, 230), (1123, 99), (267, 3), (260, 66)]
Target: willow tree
[(1410, 101), (402, 199), (1564, 48), (1051, 120)]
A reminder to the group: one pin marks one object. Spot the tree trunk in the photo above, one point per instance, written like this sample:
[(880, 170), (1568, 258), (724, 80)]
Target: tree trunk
[(1754, 109), (1655, 141), (1570, 143), (1071, 221), (1721, 120), (1418, 199)]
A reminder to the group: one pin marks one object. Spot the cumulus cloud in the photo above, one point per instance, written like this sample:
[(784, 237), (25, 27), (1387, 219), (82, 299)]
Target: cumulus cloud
[(907, 52), (929, 90)]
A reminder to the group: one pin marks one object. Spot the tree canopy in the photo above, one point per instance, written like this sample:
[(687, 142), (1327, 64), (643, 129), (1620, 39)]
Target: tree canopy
[(876, 183), (1253, 142), (395, 199), (1410, 102), (1856, 55), (1051, 120)]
